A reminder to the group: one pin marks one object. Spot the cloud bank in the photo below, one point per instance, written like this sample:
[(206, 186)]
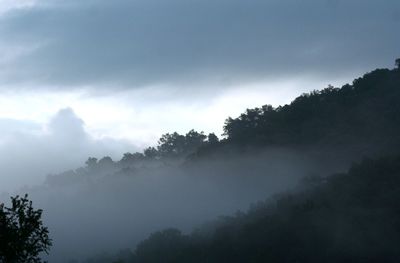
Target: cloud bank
[(130, 44)]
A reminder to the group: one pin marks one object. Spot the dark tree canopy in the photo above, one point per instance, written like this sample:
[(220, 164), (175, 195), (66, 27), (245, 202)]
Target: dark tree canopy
[(22, 234), (397, 63), (212, 138), (362, 112), (177, 145)]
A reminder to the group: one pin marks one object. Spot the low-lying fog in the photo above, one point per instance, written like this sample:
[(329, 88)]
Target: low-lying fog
[(106, 212), (112, 207)]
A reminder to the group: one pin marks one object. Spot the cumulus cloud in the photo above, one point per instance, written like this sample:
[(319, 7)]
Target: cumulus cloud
[(132, 44), (29, 151)]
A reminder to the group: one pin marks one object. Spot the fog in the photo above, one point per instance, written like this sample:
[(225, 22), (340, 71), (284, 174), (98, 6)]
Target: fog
[(89, 212)]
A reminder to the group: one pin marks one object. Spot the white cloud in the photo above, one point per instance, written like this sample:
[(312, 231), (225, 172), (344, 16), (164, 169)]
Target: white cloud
[(29, 150), (142, 116)]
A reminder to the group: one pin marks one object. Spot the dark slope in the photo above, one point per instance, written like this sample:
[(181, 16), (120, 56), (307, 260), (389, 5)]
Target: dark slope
[(351, 217)]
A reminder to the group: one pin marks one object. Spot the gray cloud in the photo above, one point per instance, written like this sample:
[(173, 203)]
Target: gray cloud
[(137, 43)]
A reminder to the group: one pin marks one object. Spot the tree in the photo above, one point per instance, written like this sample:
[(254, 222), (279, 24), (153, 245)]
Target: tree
[(150, 153), (193, 140), (91, 162), (398, 63), (22, 234), (171, 144), (177, 145), (212, 138)]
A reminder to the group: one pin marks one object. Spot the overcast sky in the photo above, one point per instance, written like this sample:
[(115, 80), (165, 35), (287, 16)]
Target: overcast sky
[(132, 70)]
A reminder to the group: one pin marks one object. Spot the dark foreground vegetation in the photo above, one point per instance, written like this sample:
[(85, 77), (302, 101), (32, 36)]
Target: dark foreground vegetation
[(22, 234)]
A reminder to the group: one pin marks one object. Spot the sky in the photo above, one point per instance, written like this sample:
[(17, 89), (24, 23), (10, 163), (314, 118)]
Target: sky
[(115, 75)]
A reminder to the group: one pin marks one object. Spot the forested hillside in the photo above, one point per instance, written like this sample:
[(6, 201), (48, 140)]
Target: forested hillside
[(364, 111), (364, 114), (344, 217), (361, 119), (350, 217)]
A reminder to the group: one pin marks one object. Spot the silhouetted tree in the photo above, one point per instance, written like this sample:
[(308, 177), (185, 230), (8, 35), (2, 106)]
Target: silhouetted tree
[(397, 63), (177, 145), (212, 138), (171, 144), (193, 140), (22, 234), (150, 153)]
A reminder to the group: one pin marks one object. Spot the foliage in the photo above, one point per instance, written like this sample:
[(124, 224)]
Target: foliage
[(22, 234)]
